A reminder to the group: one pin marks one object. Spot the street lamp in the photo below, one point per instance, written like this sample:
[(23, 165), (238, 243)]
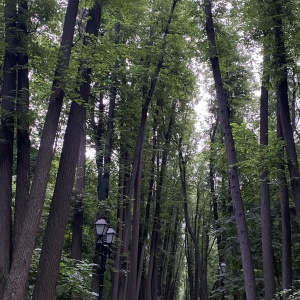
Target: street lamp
[(106, 237), (221, 273), (223, 267)]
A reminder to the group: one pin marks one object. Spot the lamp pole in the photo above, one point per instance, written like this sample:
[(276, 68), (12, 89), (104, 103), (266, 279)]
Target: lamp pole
[(106, 237)]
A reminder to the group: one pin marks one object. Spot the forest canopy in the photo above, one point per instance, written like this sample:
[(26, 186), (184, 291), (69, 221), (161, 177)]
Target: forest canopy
[(174, 122)]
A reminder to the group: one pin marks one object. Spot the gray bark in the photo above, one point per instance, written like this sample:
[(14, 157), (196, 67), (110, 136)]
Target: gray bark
[(16, 284), (249, 276)]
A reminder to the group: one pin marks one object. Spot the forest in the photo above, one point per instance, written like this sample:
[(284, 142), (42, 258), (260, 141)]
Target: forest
[(173, 123)]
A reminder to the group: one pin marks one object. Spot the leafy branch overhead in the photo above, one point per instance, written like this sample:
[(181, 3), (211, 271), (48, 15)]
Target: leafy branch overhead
[(175, 121)]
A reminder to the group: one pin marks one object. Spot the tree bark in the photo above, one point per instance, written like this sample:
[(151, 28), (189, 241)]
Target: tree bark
[(59, 210), (283, 102), (18, 275), (58, 216), (22, 109), (137, 158), (7, 138), (249, 276), (200, 282), (77, 221), (104, 159), (265, 208), (286, 248), (156, 222)]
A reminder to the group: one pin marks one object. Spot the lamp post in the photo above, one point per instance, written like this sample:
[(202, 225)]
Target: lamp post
[(106, 237), (221, 273)]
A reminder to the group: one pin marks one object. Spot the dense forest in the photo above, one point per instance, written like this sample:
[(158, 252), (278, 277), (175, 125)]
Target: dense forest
[(176, 122)]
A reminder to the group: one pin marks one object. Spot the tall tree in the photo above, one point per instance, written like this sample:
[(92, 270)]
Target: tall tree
[(266, 221), (8, 98), (200, 284), (60, 206), (286, 232), (16, 283), (249, 276), (153, 261), (22, 116), (77, 222), (283, 102), (135, 178)]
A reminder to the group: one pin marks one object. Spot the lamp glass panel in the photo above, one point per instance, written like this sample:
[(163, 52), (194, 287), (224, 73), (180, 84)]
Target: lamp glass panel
[(223, 267), (101, 227), (110, 236)]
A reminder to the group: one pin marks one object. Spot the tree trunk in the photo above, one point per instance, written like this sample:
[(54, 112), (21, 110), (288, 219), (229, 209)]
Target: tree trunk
[(249, 276), (18, 275), (59, 211), (77, 221), (190, 270), (104, 159), (146, 227), (266, 221), (22, 108), (200, 282), (156, 222), (138, 155), (283, 101), (286, 248), (6, 139), (213, 191)]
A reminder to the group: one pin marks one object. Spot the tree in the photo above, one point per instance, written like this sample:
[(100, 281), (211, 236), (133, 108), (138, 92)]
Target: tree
[(60, 206), (249, 277), (266, 221), (6, 139), (200, 284), (16, 283)]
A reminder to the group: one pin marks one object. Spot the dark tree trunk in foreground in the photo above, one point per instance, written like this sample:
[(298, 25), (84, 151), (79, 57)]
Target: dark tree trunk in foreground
[(283, 102), (18, 275), (266, 222), (249, 276), (6, 139), (22, 109), (59, 211)]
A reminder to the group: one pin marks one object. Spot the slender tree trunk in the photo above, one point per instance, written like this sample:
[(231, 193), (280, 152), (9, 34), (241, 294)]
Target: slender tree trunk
[(249, 276), (286, 262), (104, 166), (18, 275), (200, 282), (213, 191), (77, 221), (190, 270), (282, 95), (22, 108), (22, 116), (146, 228), (6, 139), (138, 155), (266, 222), (156, 221), (118, 276)]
